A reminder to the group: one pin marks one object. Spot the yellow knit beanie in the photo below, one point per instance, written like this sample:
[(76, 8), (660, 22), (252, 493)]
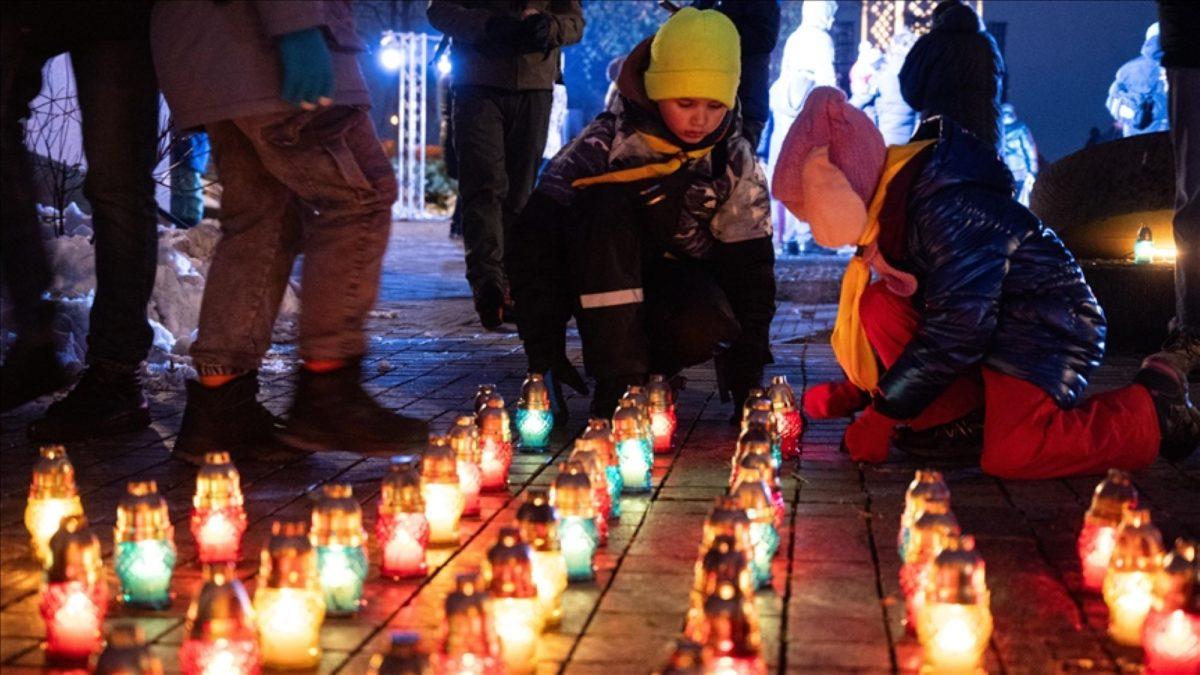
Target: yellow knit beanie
[(695, 54)]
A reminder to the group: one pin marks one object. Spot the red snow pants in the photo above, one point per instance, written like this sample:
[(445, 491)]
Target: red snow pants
[(1026, 435)]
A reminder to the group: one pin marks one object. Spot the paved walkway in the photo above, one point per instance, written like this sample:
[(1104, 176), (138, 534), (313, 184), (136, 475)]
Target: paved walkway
[(834, 606)]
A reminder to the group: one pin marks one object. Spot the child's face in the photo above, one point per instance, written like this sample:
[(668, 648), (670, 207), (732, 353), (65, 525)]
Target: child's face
[(691, 119)]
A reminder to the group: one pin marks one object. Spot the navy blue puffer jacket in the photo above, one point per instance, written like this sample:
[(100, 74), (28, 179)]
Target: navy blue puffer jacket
[(996, 286)]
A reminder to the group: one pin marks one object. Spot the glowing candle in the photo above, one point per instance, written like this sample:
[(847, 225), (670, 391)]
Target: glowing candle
[(1171, 632), (600, 431), (955, 620), (787, 416), (1098, 535), (220, 634), (535, 420), (635, 452), (52, 497), (495, 444), (482, 393), (762, 416), (443, 496), (463, 438), (729, 632), (403, 657), (1129, 584), (729, 518), (288, 601), (509, 572), (934, 526), (754, 496), (924, 486), (754, 459), (571, 495), (145, 547), (471, 644), (586, 453), (74, 594), (661, 404), (722, 562), (1143, 246), (537, 522), (401, 527), (126, 653), (218, 516), (337, 535)]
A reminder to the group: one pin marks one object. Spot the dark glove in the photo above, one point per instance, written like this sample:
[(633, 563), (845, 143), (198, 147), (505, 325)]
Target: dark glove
[(868, 438), (307, 67), (659, 202), (504, 35), (535, 33)]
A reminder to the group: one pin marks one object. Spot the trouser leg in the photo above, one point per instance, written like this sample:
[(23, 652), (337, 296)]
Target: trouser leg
[(1027, 436), (688, 317), (1185, 137), (118, 100), (890, 322), (526, 123), (483, 183)]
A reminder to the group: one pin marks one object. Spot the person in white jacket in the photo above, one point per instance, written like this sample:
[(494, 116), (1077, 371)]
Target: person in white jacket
[(807, 63), (1137, 98)]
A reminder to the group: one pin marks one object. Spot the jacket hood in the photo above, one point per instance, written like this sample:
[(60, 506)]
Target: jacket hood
[(958, 158), (643, 112)]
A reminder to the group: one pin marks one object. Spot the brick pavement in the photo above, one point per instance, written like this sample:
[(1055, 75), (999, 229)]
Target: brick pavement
[(833, 606)]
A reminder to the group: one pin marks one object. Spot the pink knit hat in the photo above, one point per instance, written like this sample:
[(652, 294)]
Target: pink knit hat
[(855, 147)]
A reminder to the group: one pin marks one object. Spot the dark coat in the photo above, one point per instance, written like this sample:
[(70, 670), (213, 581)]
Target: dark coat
[(956, 70), (1179, 33), (757, 22), (483, 57), (996, 286)]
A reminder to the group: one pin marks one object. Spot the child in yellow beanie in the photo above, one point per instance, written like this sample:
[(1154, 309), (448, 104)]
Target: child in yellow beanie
[(652, 227)]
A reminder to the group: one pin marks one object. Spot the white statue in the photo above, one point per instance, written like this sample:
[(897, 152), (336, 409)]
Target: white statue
[(1020, 152), (896, 121), (864, 79), (807, 63), (1137, 99)]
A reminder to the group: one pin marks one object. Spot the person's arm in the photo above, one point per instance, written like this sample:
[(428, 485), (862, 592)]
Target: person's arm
[(967, 254), (566, 23), (459, 20), (281, 18)]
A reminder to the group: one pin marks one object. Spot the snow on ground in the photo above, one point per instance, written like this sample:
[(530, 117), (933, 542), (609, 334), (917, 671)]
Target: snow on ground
[(174, 310)]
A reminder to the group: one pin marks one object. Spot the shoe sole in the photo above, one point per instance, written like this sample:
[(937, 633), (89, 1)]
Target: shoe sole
[(129, 423)]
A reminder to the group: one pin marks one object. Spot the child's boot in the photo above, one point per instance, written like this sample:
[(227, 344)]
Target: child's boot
[(1178, 419), (829, 400), (226, 417), (332, 411)]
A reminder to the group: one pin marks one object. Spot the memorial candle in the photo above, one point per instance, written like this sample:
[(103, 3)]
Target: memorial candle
[(1129, 584), (145, 547), (571, 495), (338, 537), (955, 620), (537, 522), (74, 594), (218, 515), (440, 488), (932, 528), (463, 438), (471, 645), (220, 633), (729, 518), (1171, 632), (754, 496), (762, 415), (634, 448), (661, 404), (482, 393), (722, 562), (600, 431), (288, 601), (925, 485), (495, 444), (787, 416), (585, 452), (754, 460), (535, 421), (509, 574), (52, 497), (401, 529), (730, 633), (1099, 532)]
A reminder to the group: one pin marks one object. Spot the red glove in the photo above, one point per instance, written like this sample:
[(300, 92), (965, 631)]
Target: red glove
[(868, 438), (833, 399)]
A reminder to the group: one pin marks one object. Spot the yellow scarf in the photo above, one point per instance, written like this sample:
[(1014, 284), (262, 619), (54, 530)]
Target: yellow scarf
[(678, 155), (849, 340)]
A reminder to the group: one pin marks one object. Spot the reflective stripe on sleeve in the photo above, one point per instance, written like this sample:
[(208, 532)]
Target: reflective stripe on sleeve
[(625, 296)]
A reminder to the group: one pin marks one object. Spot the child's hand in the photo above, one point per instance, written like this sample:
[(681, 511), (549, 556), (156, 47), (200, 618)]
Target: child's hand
[(869, 437), (307, 68)]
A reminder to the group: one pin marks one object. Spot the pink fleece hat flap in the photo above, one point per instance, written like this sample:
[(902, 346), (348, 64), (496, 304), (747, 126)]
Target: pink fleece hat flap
[(855, 147)]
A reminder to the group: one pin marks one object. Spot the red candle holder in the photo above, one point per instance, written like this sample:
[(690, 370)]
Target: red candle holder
[(495, 444), (787, 416), (220, 634), (587, 453), (464, 441), (930, 532), (74, 595), (661, 404), (1171, 640), (218, 516), (401, 527), (1098, 536)]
